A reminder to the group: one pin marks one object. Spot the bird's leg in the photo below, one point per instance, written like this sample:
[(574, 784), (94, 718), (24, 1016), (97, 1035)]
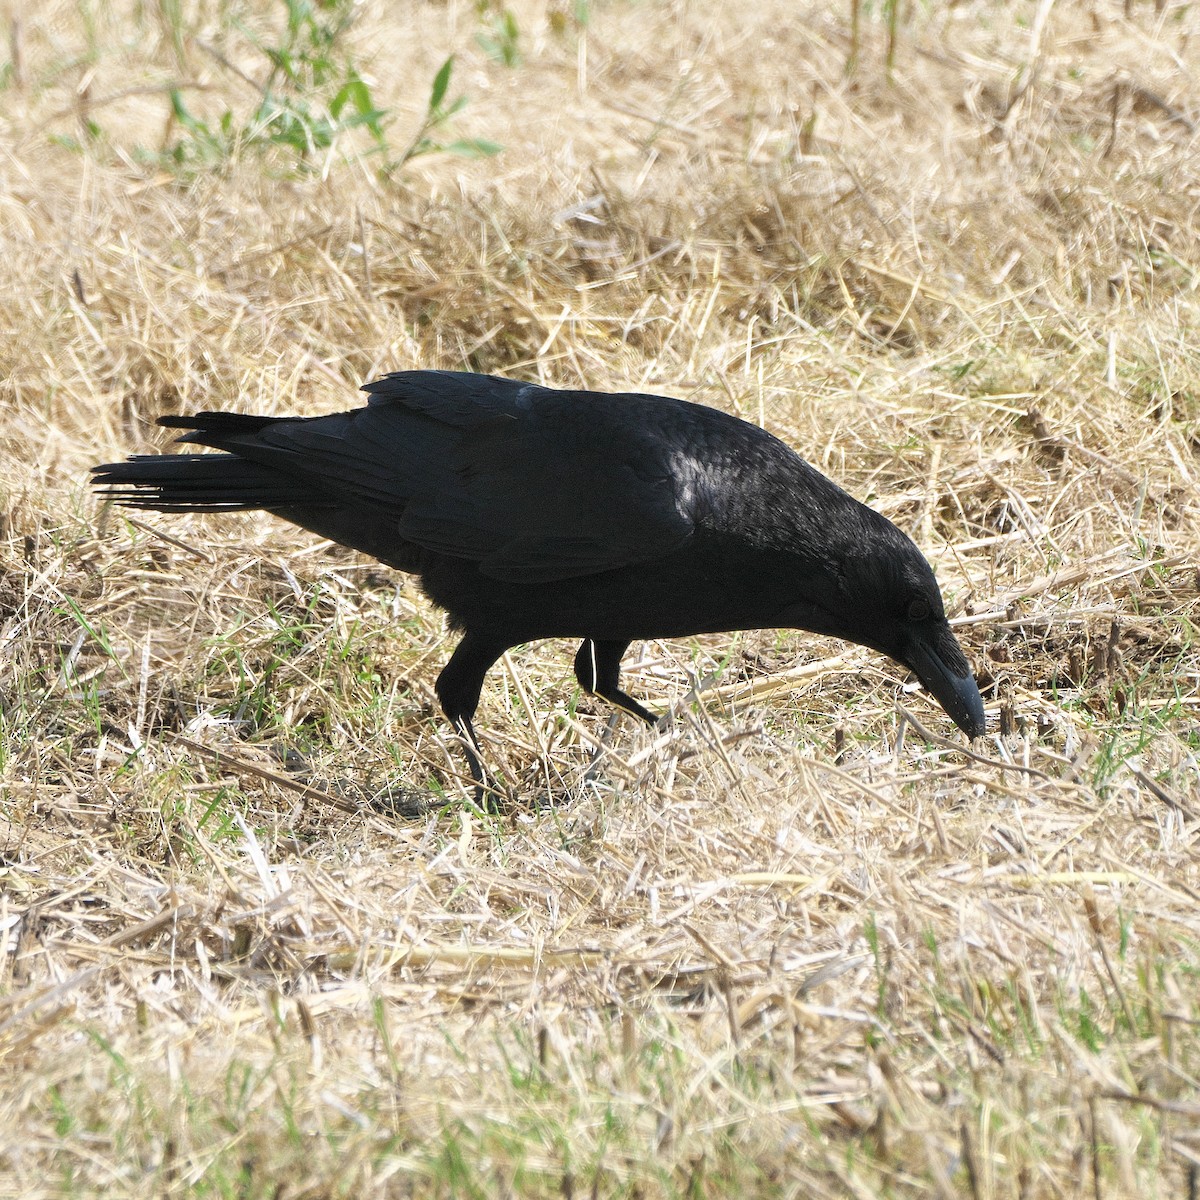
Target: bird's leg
[(598, 669), (458, 688), (466, 731)]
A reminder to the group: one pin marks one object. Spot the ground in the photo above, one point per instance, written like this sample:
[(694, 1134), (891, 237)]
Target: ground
[(255, 940)]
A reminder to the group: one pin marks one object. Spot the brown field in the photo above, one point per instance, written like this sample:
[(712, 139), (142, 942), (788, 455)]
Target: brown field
[(801, 945)]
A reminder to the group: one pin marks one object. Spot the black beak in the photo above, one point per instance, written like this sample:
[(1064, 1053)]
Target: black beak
[(944, 671)]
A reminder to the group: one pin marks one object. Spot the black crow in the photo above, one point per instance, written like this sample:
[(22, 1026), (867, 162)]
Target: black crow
[(529, 512)]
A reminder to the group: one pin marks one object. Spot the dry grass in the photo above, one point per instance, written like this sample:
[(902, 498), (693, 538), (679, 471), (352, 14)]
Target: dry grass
[(801, 946)]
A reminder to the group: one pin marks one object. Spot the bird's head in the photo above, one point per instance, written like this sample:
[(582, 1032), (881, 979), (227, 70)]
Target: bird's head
[(879, 591)]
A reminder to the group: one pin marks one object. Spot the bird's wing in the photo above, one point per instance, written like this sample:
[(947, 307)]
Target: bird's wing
[(458, 398), (555, 485), (534, 484)]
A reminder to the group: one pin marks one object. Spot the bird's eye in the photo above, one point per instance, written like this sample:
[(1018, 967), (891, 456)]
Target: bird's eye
[(918, 610)]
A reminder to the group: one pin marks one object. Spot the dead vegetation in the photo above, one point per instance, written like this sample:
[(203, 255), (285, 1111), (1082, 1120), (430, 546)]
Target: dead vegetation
[(253, 940)]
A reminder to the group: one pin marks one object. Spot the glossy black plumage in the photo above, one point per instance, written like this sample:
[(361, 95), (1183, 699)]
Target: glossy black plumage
[(530, 512)]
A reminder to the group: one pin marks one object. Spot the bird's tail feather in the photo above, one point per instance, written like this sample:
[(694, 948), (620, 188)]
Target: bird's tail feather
[(199, 483), (216, 428)]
